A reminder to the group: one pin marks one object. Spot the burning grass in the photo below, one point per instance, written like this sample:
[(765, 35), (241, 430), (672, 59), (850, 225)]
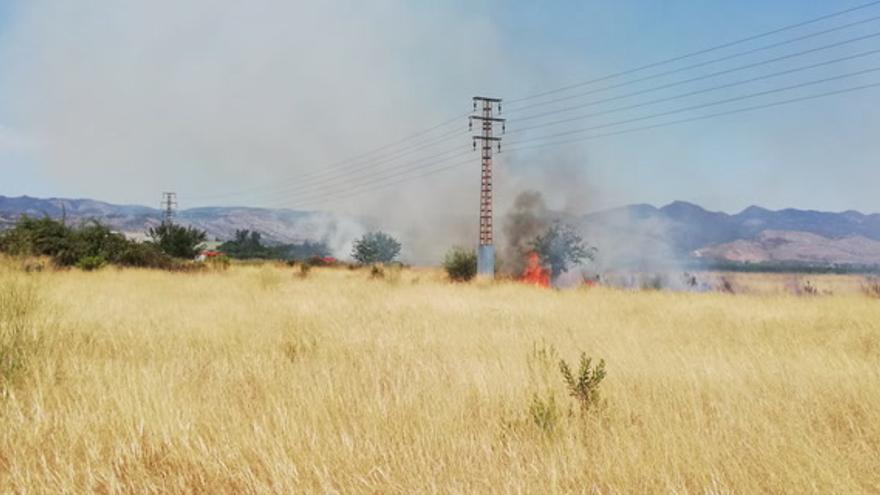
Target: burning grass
[(243, 381)]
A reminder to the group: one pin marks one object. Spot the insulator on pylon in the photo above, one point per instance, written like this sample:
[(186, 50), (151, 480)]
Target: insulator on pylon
[(499, 107), (499, 146), (503, 127), (475, 144), (475, 105), (470, 125)]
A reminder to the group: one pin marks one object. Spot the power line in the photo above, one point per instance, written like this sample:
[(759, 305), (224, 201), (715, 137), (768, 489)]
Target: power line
[(706, 105), (341, 164), (694, 93), (700, 52), (356, 192), (343, 180), (312, 195), (376, 184), (419, 165), (722, 59), (382, 160), (704, 77), (332, 175), (703, 117)]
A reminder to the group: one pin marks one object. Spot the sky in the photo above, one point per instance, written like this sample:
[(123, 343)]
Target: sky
[(245, 103)]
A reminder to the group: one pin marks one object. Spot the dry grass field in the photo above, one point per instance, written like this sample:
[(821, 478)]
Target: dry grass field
[(256, 380)]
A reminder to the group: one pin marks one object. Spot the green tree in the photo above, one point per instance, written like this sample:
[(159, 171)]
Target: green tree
[(176, 240), (36, 237), (68, 246), (305, 250), (247, 244), (561, 247), (375, 247)]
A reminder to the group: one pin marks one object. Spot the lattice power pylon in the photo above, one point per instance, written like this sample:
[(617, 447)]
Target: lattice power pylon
[(486, 250), (168, 206)]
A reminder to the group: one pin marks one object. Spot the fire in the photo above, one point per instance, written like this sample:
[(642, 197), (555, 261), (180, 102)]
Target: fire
[(535, 273)]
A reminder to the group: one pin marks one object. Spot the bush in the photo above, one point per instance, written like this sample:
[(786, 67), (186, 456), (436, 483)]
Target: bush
[(68, 246), (144, 255), (460, 264), (585, 386), (90, 263)]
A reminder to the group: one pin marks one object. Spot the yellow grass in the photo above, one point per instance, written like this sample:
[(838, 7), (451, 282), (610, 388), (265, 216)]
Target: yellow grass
[(255, 380)]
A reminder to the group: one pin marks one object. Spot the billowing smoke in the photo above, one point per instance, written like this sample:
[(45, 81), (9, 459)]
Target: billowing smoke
[(527, 218)]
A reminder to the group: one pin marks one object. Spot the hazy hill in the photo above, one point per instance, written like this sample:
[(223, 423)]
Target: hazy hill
[(635, 234), (278, 225), (776, 245), (680, 231)]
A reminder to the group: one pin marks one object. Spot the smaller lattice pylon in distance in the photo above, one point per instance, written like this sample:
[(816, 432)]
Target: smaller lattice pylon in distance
[(168, 206)]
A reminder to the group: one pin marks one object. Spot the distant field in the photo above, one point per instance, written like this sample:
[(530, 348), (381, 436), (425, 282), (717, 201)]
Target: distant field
[(257, 380)]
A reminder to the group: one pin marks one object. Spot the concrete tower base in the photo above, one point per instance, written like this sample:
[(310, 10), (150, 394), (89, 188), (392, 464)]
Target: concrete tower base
[(486, 261)]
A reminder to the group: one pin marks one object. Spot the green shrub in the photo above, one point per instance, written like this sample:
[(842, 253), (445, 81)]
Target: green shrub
[(144, 255), (460, 264), (90, 263), (67, 246), (585, 386)]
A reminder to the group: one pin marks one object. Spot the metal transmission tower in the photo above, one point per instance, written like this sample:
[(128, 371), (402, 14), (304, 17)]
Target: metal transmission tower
[(168, 205), (486, 252)]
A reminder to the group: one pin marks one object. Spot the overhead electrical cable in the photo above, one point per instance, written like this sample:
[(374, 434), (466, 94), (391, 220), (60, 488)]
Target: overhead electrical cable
[(699, 52), (358, 188), (342, 164), (702, 117), (709, 104), (714, 61), (704, 77), (691, 93), (370, 171), (373, 165), (344, 179), (372, 180)]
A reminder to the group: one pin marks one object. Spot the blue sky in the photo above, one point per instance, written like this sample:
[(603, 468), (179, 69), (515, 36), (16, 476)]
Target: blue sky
[(120, 100)]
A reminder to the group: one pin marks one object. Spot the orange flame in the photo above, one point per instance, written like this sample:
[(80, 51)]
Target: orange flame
[(535, 273)]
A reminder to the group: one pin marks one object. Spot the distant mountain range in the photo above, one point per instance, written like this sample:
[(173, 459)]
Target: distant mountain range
[(683, 231), (276, 225), (644, 235)]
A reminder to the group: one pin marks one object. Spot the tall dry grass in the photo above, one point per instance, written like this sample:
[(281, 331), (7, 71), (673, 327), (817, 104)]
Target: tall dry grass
[(257, 380)]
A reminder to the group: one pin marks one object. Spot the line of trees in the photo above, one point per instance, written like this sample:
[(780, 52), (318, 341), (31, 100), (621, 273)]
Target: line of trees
[(248, 245), (91, 244)]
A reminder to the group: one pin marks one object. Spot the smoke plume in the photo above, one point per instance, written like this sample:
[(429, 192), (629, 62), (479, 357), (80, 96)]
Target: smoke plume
[(526, 219)]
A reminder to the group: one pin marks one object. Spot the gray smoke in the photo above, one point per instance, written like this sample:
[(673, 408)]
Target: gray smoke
[(526, 219)]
